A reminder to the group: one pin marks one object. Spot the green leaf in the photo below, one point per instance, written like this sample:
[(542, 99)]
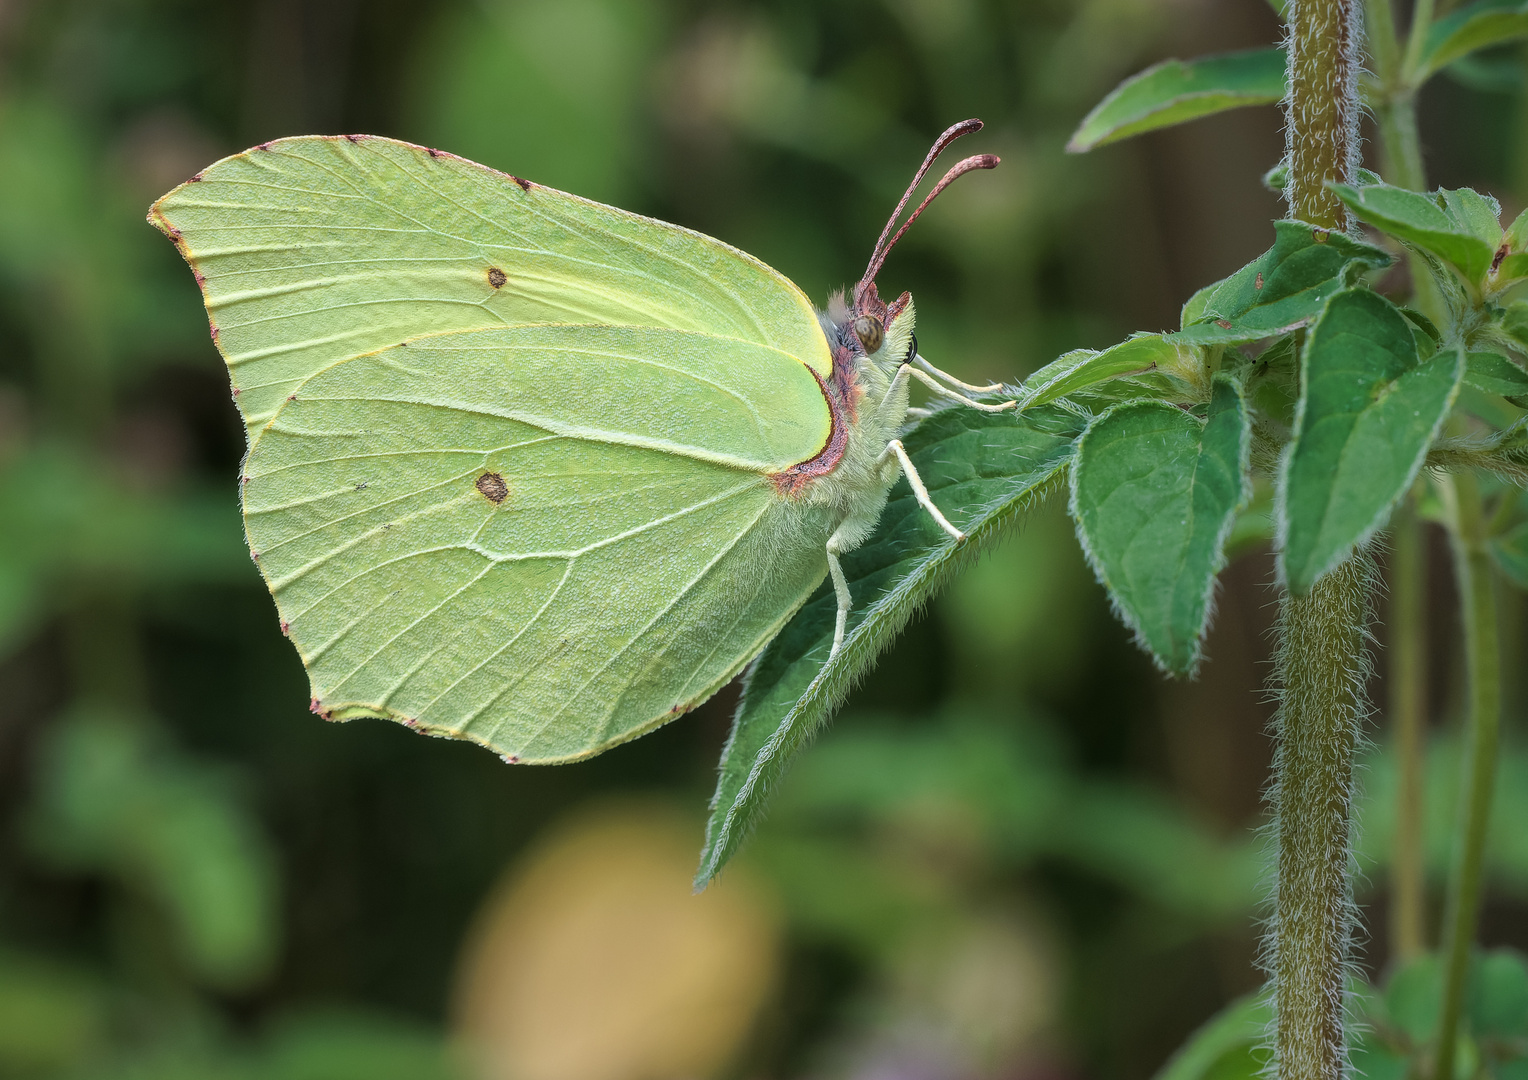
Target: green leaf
[(1155, 492), (1458, 227), (1284, 288), (1512, 257), (1276, 178), (1475, 26), (1084, 368), (983, 470), (1517, 233), (1495, 374), (1498, 994), (1367, 416), (1176, 91), (1514, 322), (1228, 1046)]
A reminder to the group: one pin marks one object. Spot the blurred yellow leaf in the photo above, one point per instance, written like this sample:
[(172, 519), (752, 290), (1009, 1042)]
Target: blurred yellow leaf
[(594, 961)]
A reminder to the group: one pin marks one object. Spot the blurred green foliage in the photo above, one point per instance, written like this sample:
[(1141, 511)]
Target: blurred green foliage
[(200, 879)]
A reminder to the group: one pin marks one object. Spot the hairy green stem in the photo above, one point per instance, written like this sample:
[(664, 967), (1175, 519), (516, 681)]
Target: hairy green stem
[(1408, 698), (1322, 666), (1321, 109), (1321, 660), (1482, 649)]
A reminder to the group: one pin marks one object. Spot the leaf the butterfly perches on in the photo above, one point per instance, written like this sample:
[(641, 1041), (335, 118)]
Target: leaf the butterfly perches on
[(524, 469)]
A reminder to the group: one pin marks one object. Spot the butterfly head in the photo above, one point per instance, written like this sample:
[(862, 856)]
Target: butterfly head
[(862, 325), (864, 322)]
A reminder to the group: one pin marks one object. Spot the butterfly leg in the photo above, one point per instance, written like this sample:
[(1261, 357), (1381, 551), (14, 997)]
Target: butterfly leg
[(954, 395), (841, 588), (916, 483), (952, 380)]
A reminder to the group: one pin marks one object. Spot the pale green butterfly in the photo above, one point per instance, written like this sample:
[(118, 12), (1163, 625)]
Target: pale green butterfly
[(528, 470)]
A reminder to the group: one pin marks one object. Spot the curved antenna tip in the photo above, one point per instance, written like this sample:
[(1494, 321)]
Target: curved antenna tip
[(884, 245)]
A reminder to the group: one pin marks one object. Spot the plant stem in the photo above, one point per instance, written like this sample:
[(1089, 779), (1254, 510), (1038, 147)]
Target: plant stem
[(1482, 649), (1321, 111), (1401, 164), (1321, 661), (1400, 143), (1384, 46), (1321, 667), (1421, 23), (1408, 697)]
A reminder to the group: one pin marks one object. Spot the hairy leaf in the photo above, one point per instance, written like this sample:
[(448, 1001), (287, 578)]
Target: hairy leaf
[(982, 469), (1176, 91), (1284, 288), (1368, 413), (1495, 374), (1459, 227), (1474, 26), (1154, 493), (1084, 368)]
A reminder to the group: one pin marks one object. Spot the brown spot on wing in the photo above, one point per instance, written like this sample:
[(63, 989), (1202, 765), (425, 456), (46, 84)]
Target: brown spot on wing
[(497, 277), (525, 185), (492, 487)]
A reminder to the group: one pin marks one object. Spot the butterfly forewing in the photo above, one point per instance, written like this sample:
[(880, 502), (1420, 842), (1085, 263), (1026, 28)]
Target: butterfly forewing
[(315, 249)]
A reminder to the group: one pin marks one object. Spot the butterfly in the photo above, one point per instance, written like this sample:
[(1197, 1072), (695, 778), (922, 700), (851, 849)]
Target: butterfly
[(529, 470)]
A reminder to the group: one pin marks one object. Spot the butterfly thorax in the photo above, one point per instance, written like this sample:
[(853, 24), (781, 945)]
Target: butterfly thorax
[(868, 340)]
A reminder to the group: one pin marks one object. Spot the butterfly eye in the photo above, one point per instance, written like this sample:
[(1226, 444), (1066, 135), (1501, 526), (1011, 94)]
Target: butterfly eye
[(870, 332)]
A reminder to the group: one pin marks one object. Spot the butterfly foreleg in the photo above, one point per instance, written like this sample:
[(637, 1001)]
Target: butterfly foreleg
[(916, 483), (954, 395), (989, 388)]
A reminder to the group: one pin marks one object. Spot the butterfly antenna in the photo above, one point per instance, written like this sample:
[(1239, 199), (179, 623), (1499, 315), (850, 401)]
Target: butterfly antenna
[(979, 161)]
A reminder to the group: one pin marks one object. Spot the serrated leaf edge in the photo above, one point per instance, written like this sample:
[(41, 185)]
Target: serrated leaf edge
[(1382, 517), (862, 646), (1128, 618)]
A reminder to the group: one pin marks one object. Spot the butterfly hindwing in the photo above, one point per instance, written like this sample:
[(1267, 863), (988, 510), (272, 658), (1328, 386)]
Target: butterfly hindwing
[(547, 539)]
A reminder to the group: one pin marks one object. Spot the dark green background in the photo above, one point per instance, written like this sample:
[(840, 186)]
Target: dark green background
[(130, 616)]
